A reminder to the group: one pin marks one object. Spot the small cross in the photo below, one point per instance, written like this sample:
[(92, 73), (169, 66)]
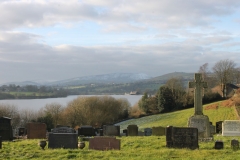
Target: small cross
[(198, 86)]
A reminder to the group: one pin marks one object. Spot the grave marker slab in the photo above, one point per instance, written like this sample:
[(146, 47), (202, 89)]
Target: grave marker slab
[(147, 131), (218, 145), (6, 131), (182, 137), (63, 137), (158, 131), (234, 144), (132, 130), (198, 120), (231, 128), (219, 127), (86, 131), (111, 130), (36, 130), (104, 143)]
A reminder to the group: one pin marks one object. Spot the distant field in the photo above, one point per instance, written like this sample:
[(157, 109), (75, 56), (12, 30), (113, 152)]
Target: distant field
[(180, 118)]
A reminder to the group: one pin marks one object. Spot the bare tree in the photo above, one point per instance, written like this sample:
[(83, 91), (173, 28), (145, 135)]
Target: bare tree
[(26, 116), (204, 70), (237, 75), (55, 110), (10, 111), (224, 72)]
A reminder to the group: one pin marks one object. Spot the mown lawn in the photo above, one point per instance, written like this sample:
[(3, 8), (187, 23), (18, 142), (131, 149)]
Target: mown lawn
[(151, 148)]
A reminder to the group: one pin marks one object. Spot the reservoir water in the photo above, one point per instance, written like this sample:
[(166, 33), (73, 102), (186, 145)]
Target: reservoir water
[(36, 104)]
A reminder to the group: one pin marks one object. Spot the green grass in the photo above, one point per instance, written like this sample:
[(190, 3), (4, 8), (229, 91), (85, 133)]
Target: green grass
[(151, 147), (180, 118)]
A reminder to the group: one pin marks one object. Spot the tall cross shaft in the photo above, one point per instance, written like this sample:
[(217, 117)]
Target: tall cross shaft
[(198, 86)]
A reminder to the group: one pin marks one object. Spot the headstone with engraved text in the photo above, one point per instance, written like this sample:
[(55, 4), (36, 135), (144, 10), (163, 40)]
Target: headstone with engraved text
[(231, 128)]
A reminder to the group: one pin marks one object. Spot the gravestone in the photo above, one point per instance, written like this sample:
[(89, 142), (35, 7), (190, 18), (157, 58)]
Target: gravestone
[(104, 143), (219, 127), (111, 130), (182, 137), (36, 130), (21, 131), (198, 120), (86, 131), (231, 128), (158, 131), (6, 131), (147, 131), (125, 131), (63, 137), (132, 130), (212, 130), (218, 145), (234, 144)]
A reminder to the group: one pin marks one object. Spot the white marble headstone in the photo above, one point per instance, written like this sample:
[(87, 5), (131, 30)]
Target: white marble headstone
[(231, 128)]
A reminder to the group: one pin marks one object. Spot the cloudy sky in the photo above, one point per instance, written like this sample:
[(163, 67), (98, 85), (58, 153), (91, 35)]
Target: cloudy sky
[(51, 40)]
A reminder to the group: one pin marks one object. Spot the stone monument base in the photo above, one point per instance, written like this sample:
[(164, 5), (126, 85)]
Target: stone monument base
[(201, 122)]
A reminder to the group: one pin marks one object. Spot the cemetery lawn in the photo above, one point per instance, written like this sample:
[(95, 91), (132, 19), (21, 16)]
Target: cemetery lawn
[(215, 111), (149, 147)]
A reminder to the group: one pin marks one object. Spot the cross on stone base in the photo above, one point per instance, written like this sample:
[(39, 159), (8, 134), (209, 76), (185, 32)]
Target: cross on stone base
[(198, 84)]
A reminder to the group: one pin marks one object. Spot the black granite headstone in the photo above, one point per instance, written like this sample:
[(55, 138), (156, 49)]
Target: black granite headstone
[(218, 145), (125, 131), (219, 127), (234, 144), (182, 137), (21, 131), (86, 131), (63, 137), (5, 128)]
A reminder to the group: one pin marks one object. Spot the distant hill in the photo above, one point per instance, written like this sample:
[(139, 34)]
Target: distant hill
[(165, 77), (105, 78)]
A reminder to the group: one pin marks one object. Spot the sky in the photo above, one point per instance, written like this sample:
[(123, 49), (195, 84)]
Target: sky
[(50, 40)]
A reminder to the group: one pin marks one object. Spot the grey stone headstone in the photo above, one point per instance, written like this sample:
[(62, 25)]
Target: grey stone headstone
[(6, 131), (63, 140), (231, 128), (198, 120), (182, 137), (104, 143), (63, 130), (132, 130), (86, 131), (212, 130), (158, 131), (148, 131), (111, 130)]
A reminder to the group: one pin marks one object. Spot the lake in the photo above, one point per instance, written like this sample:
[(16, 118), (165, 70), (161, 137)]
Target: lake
[(36, 104)]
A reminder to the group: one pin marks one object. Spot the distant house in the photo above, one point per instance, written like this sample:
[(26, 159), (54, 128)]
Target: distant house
[(133, 93), (231, 89)]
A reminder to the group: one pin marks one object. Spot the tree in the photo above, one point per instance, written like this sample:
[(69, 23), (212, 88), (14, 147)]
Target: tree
[(165, 99), (143, 103), (55, 110), (177, 91), (204, 70), (224, 72)]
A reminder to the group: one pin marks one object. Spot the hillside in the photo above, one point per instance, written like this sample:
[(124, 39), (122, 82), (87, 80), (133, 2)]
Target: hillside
[(180, 118)]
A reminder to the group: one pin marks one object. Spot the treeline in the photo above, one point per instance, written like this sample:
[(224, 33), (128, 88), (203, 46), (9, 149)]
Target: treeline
[(171, 97), (95, 111), (13, 91)]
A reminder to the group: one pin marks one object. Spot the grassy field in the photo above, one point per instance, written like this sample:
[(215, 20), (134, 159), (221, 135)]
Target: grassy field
[(180, 118), (145, 148), (151, 148)]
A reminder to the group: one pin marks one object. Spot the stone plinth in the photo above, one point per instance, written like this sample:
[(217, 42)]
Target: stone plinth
[(201, 122)]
